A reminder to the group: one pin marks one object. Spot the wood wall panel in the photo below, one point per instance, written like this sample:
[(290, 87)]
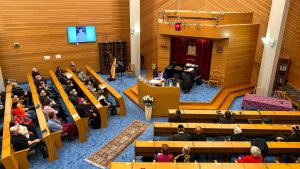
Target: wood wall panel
[(41, 29), (150, 13)]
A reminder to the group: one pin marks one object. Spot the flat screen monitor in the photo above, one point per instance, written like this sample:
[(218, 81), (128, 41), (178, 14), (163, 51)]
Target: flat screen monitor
[(78, 34)]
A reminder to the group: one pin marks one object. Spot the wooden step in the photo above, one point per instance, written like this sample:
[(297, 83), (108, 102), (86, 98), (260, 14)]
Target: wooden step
[(134, 89), (228, 101), (131, 95)]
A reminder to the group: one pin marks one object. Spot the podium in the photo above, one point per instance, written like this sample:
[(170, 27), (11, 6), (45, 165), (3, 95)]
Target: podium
[(165, 97)]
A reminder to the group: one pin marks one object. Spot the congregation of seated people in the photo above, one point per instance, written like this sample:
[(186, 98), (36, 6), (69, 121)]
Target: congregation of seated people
[(258, 150)]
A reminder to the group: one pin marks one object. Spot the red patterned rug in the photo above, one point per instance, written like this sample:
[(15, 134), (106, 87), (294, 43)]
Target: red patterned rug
[(116, 146)]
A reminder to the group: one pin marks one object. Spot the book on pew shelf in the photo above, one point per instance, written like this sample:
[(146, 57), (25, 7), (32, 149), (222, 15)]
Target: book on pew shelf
[(69, 75), (102, 87)]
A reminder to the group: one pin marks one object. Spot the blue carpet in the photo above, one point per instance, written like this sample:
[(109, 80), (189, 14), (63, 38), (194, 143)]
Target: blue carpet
[(72, 154)]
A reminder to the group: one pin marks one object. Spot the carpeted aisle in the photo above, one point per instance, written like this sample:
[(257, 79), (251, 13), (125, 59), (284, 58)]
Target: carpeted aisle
[(72, 154)]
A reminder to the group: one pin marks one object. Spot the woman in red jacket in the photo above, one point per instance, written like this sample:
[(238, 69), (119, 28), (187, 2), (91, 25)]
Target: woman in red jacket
[(255, 156)]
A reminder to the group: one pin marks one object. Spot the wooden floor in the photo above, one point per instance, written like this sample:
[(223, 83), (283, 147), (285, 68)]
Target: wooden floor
[(221, 101)]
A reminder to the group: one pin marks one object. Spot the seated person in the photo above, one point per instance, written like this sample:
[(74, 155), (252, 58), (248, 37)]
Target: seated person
[(161, 76), (177, 117), (95, 120), (24, 115), (20, 92), (47, 108), (26, 130), (255, 157), (20, 142), (90, 86), (165, 155), (38, 80), (83, 77), (73, 97), (227, 119), (181, 136), (198, 136), (238, 135), (185, 156), (55, 125), (35, 72), (103, 101), (82, 109), (295, 134), (74, 68)]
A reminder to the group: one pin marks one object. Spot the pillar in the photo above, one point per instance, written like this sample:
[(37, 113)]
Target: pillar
[(135, 34), (273, 41)]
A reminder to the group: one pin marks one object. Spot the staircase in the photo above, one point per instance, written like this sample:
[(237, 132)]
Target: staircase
[(221, 101)]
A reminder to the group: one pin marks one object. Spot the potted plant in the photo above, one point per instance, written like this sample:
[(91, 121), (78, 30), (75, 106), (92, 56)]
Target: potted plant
[(148, 102)]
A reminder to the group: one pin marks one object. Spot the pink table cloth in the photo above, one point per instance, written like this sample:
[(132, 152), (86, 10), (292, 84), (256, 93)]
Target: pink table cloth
[(252, 101)]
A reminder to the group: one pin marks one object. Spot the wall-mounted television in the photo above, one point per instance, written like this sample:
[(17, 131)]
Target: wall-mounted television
[(78, 34)]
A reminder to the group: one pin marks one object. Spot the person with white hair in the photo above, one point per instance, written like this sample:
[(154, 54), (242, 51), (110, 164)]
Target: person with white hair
[(238, 135), (35, 72), (74, 68), (295, 134), (185, 156), (21, 142), (255, 157), (104, 102), (20, 92)]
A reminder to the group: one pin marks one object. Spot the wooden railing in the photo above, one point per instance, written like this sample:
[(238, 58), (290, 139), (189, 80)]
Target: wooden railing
[(102, 109), (282, 117), (52, 140), (194, 165), (11, 159), (215, 129), (117, 96), (149, 148), (81, 123)]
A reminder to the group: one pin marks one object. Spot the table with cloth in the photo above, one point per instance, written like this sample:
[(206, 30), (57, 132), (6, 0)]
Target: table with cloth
[(252, 101)]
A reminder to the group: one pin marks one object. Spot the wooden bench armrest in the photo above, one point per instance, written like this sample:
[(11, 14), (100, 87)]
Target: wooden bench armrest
[(22, 151)]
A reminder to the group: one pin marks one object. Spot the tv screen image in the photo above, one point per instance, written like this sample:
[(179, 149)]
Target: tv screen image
[(77, 34)]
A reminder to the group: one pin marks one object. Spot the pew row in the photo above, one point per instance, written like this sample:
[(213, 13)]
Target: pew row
[(101, 109), (52, 140), (117, 96), (240, 116), (149, 148), (215, 129), (11, 158), (170, 165), (81, 123)]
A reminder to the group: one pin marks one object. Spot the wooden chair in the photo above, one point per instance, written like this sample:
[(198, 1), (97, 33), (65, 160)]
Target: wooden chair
[(280, 94), (130, 69), (215, 77)]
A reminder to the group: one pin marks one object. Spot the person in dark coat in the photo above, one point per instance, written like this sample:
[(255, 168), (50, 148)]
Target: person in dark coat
[(181, 136), (186, 82), (238, 135), (177, 117), (198, 136), (20, 92), (295, 134), (227, 119)]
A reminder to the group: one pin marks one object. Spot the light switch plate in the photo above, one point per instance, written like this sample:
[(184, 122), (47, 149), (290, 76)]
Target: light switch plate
[(58, 56), (47, 57)]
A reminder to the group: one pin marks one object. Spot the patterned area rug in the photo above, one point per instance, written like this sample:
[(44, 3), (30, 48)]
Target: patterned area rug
[(116, 146)]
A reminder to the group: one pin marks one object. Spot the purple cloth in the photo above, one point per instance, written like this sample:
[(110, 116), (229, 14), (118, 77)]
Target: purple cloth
[(266, 103)]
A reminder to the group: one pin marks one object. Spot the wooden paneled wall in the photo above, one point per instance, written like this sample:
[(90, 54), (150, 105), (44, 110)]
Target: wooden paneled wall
[(150, 13), (41, 29)]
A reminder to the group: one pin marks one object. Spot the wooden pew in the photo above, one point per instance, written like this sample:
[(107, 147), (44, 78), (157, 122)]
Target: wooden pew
[(102, 109), (11, 159), (240, 116), (81, 123), (194, 165), (215, 129), (117, 96), (52, 140), (149, 148)]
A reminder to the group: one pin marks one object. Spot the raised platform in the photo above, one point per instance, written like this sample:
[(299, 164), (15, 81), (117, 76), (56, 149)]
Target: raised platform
[(221, 101)]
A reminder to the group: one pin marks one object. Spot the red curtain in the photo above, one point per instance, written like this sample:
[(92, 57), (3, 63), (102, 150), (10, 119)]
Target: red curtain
[(179, 48)]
